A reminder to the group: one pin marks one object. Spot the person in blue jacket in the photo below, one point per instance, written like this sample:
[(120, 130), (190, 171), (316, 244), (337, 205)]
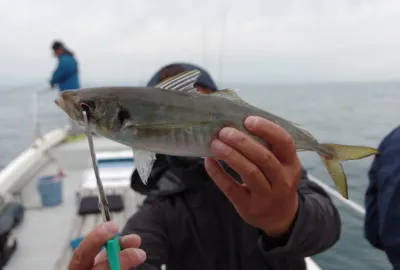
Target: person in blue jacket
[(66, 75), (382, 199)]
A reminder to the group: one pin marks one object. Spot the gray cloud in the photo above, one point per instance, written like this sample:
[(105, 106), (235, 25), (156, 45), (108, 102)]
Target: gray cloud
[(126, 41)]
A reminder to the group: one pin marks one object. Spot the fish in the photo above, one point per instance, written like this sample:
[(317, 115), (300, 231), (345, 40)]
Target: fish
[(172, 118)]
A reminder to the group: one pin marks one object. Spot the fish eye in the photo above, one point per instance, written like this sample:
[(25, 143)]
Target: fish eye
[(88, 106)]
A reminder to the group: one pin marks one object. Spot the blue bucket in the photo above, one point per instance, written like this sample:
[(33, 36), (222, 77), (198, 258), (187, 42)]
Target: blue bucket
[(50, 190)]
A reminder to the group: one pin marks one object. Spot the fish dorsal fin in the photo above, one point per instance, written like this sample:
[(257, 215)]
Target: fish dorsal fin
[(294, 124), (230, 95), (182, 82), (233, 96)]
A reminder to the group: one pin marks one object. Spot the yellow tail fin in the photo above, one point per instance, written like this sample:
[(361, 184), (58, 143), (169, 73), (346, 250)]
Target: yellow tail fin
[(344, 152)]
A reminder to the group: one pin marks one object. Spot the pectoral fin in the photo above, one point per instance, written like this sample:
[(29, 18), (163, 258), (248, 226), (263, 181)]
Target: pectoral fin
[(144, 161)]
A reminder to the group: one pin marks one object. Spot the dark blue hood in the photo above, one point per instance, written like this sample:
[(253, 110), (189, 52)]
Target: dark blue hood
[(204, 79)]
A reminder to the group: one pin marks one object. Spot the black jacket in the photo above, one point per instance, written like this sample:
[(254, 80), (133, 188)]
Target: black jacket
[(186, 222)]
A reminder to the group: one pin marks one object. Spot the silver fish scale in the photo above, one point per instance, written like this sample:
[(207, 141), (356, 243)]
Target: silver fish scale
[(150, 106), (186, 141)]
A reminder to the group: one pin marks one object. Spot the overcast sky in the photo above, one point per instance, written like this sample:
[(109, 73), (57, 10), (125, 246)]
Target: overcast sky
[(265, 40)]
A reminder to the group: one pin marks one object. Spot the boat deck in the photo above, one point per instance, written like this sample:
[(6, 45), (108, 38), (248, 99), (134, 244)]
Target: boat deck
[(44, 235)]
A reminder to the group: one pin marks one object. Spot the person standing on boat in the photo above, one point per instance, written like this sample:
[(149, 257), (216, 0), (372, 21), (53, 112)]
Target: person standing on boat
[(382, 199), (66, 75), (199, 215)]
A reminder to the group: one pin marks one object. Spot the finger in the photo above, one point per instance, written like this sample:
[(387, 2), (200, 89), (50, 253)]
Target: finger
[(102, 256), (234, 191), (130, 241), (281, 143), (127, 241), (84, 254), (128, 258), (256, 153), (249, 172)]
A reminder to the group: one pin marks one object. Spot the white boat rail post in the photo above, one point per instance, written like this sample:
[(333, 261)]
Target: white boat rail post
[(35, 115), (37, 133)]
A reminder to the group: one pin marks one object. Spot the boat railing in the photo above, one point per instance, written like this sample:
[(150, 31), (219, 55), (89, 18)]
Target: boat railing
[(37, 134), (349, 203)]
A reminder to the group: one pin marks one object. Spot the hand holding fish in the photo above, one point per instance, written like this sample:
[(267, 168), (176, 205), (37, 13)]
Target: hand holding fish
[(268, 198), (86, 256)]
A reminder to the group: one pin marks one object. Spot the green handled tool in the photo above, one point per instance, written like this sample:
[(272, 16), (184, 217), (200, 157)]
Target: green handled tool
[(112, 246)]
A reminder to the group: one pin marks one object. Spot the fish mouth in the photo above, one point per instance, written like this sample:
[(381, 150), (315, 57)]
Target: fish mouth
[(68, 101), (60, 103)]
